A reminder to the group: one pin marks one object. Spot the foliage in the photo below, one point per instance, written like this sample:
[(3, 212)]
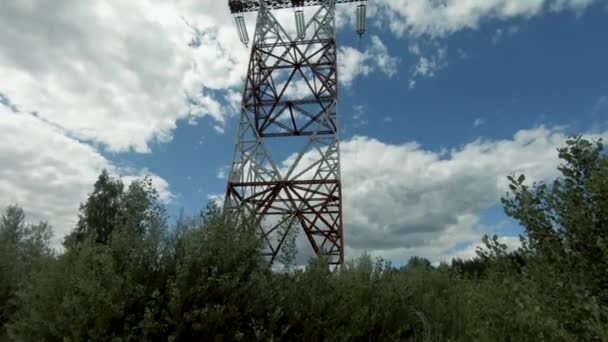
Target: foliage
[(127, 275), (566, 243), (287, 234), (100, 214), (23, 249)]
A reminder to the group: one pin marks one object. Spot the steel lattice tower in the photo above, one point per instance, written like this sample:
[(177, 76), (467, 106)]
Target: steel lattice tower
[(290, 99)]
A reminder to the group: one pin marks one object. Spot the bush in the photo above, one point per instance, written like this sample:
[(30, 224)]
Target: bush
[(127, 276)]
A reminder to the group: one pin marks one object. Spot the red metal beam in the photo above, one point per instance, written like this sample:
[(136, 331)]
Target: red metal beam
[(296, 198)]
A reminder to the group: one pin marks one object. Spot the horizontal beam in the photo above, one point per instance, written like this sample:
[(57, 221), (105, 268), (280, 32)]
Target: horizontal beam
[(240, 6), (285, 183)]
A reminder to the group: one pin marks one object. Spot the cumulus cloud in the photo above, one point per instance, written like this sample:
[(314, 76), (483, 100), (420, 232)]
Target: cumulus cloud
[(49, 173), (403, 200), (444, 17), (423, 21), (119, 73), (430, 58), (122, 73), (353, 63)]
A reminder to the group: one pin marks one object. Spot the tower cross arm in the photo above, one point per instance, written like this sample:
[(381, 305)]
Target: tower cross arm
[(240, 6)]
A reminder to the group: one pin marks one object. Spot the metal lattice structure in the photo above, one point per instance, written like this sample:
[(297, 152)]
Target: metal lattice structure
[(290, 100), (240, 6)]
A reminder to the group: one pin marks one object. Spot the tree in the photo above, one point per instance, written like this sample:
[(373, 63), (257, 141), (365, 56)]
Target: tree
[(23, 249), (288, 233), (109, 207), (131, 278), (566, 232), (567, 223), (113, 284), (100, 213), (416, 262)]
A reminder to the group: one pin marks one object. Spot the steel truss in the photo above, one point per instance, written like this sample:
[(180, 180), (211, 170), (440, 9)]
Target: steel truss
[(290, 99), (240, 6)]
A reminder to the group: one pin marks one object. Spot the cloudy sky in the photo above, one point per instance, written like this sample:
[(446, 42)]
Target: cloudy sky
[(440, 101)]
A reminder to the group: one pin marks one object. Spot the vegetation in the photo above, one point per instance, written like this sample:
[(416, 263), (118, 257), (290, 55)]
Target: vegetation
[(126, 275)]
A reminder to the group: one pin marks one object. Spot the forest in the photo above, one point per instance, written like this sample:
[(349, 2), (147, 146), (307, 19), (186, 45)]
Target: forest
[(128, 273)]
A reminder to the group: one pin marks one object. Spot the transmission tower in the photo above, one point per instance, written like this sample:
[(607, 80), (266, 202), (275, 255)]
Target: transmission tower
[(290, 103)]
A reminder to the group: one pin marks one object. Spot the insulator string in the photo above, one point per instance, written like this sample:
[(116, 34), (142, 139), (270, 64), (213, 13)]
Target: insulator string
[(358, 100)]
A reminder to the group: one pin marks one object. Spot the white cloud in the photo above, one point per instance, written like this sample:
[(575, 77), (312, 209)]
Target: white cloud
[(5, 101), (160, 184), (353, 63), (218, 199), (424, 20), (233, 99), (117, 72), (500, 33), (222, 172), (478, 122), (442, 18), (359, 115), (497, 36), (429, 60), (427, 67), (219, 129), (48, 173), (403, 200), (470, 251), (577, 5), (384, 61), (462, 54), (121, 73)]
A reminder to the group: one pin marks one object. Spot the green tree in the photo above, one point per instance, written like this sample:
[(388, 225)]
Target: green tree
[(126, 276), (219, 288), (287, 235), (110, 207), (418, 262), (99, 215), (103, 291), (24, 248), (565, 245)]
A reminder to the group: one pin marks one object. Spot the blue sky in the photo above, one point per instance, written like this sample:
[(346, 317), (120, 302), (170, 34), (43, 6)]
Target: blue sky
[(462, 103)]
